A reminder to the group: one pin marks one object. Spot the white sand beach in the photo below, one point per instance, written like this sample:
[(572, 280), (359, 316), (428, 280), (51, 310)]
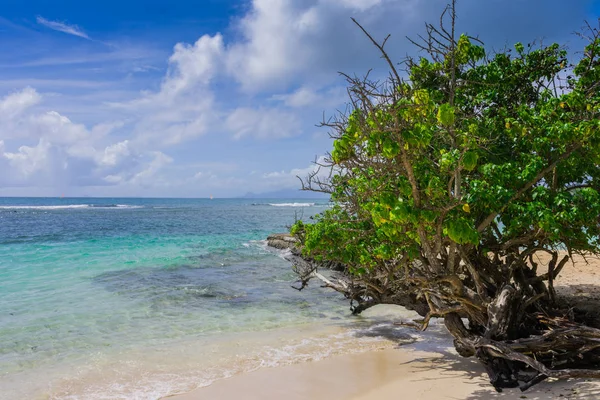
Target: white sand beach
[(405, 372)]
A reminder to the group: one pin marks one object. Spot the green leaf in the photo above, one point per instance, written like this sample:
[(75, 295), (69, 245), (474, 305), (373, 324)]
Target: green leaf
[(469, 160), (519, 47), (461, 231), (445, 115)]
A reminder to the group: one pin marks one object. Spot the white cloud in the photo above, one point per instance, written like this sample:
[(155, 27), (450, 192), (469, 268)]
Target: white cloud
[(114, 153), (65, 153), (146, 176), (145, 68), (14, 104), (28, 160), (193, 66), (273, 48), (267, 82), (286, 51), (184, 107), (306, 96), (262, 123), (289, 179), (300, 98), (281, 43), (56, 127), (359, 5), (63, 27), (105, 128), (285, 43)]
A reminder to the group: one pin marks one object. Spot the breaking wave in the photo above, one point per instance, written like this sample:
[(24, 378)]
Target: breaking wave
[(70, 206), (292, 204)]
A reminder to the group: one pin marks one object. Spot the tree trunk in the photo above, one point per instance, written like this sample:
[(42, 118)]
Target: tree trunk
[(520, 347)]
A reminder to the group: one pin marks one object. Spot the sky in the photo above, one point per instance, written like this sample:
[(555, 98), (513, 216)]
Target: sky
[(207, 97)]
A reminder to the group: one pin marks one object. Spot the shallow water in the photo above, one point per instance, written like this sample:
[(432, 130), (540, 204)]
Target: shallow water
[(141, 298)]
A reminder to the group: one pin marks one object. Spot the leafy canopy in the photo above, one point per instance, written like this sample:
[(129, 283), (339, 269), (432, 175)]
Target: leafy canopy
[(474, 152)]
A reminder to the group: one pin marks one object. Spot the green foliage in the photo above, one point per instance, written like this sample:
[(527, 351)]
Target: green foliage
[(470, 160), (461, 231), (445, 115), (469, 151)]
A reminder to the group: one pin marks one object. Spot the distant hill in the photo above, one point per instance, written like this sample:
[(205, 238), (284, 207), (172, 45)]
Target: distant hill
[(287, 194)]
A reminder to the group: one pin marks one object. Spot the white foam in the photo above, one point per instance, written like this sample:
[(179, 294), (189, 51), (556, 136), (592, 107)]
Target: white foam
[(140, 380), (69, 206), (262, 244), (285, 254), (43, 207), (292, 204)]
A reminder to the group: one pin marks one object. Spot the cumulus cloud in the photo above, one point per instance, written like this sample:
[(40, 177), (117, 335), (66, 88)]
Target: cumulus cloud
[(282, 43), (286, 43), (63, 27), (184, 107), (57, 127), (28, 160), (147, 176), (62, 152), (286, 51), (15, 103), (193, 66), (268, 82), (115, 153)]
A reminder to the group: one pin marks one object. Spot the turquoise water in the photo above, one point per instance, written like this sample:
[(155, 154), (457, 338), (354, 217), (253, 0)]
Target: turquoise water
[(89, 287)]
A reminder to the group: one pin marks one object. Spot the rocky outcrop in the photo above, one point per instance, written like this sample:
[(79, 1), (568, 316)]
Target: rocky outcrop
[(283, 241)]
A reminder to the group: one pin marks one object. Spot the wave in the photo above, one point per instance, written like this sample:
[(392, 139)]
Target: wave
[(70, 206), (138, 376), (291, 204), (114, 206)]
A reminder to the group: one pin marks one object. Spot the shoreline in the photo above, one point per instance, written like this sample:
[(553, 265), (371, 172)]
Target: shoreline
[(425, 370), (335, 356), (381, 375)]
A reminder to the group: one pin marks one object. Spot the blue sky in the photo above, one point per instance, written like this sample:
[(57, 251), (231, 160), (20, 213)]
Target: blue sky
[(192, 98)]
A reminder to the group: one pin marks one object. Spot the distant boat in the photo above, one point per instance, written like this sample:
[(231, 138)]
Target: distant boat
[(211, 197)]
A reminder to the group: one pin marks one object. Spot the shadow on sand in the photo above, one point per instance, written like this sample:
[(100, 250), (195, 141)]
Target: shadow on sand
[(441, 356)]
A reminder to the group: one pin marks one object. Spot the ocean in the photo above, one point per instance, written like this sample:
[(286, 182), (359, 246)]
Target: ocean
[(130, 298)]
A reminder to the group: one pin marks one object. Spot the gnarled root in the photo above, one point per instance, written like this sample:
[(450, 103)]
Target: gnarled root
[(563, 350)]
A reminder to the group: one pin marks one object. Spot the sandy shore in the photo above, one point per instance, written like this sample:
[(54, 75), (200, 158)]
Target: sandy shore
[(405, 372), (381, 375)]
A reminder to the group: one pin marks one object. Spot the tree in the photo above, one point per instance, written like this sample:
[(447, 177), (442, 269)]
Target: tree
[(450, 176)]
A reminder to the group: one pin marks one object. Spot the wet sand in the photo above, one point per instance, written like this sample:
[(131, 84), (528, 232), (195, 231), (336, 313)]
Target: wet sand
[(380, 375), (407, 372)]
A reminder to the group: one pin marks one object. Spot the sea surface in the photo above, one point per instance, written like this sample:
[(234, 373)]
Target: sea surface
[(129, 298)]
